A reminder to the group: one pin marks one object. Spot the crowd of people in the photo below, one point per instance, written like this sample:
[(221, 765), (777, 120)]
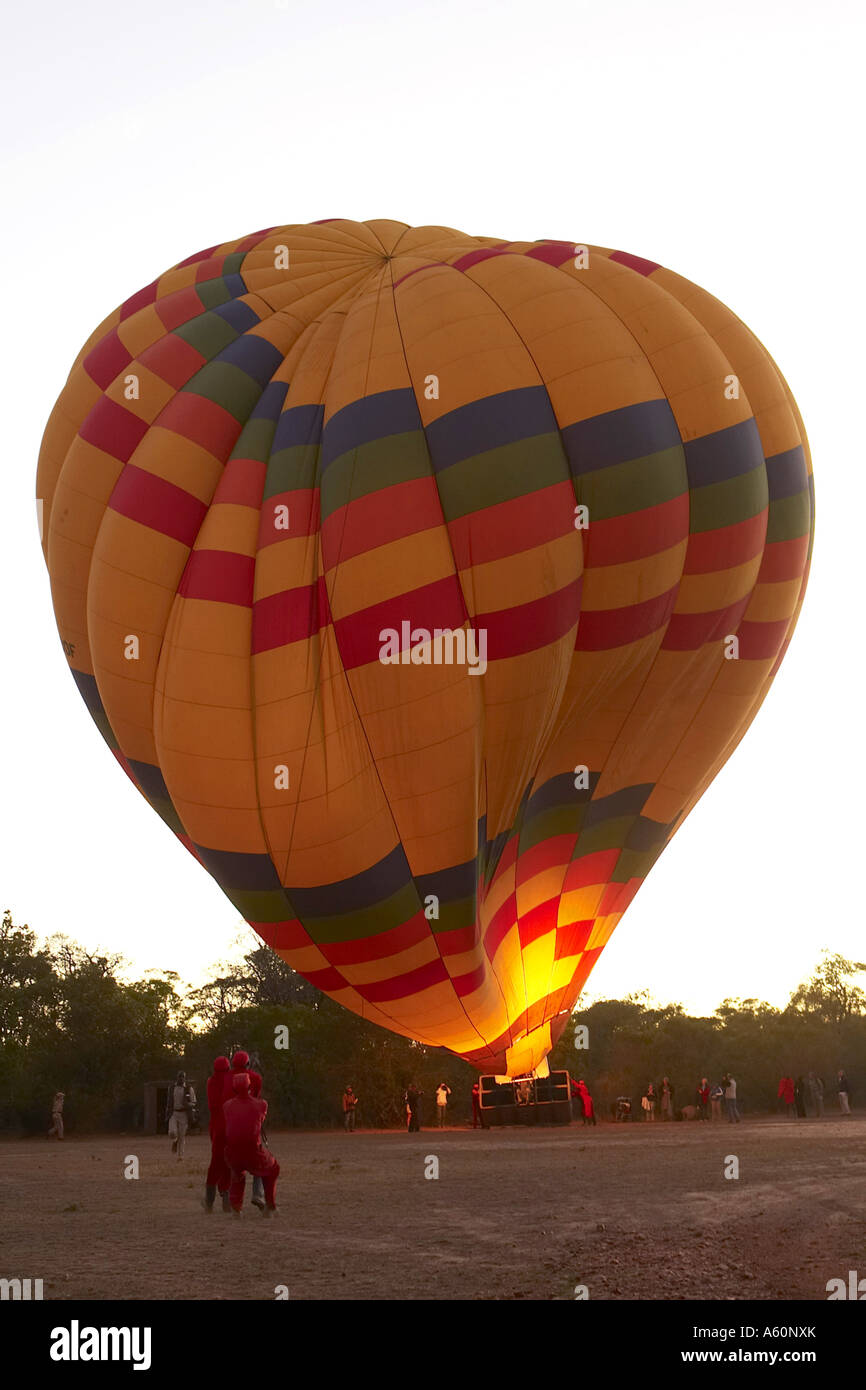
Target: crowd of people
[(237, 1111), (795, 1094), (711, 1099)]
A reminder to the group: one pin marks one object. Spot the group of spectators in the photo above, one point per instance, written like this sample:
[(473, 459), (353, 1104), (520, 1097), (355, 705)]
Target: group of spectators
[(794, 1093), (658, 1098)]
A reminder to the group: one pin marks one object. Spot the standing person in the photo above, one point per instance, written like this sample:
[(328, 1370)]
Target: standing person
[(717, 1095), (476, 1106), (350, 1100), (786, 1096), (57, 1116), (179, 1103), (843, 1091), (218, 1176), (443, 1091), (245, 1153), (577, 1101), (258, 1194), (648, 1102), (800, 1097), (702, 1099), (730, 1086), (815, 1087), (413, 1099), (666, 1093), (588, 1107)]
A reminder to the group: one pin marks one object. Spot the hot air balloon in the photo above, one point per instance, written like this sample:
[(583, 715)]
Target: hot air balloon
[(422, 583)]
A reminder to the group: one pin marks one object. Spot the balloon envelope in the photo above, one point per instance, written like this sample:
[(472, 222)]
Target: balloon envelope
[(422, 583)]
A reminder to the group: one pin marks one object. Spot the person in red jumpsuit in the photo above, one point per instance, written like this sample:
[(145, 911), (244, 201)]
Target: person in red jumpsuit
[(218, 1176), (245, 1152), (586, 1099)]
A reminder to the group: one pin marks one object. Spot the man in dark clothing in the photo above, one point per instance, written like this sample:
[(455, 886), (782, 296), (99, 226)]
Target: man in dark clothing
[(245, 1152), (843, 1091), (476, 1105), (413, 1097)]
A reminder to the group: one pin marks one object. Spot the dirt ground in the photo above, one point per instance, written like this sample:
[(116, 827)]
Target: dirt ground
[(629, 1211)]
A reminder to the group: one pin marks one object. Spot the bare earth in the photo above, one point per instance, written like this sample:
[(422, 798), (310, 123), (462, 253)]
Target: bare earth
[(629, 1211)]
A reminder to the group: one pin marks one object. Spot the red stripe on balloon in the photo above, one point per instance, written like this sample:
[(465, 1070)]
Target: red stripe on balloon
[(290, 616), (638, 263), (688, 631), (283, 936), (590, 869), (412, 982), (620, 539), (202, 421), (439, 604), (220, 576), (538, 922), (572, 939), (605, 628), (722, 549), (470, 982), (107, 360), (139, 301), (552, 252), (114, 430), (761, 641), (153, 502), (241, 484), (784, 560), (508, 528), (456, 941), (378, 947), (178, 308), (364, 524), (303, 505), (173, 360), (529, 626), (500, 925)]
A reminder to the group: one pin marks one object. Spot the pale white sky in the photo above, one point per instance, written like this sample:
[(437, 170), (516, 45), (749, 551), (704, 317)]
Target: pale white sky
[(723, 141)]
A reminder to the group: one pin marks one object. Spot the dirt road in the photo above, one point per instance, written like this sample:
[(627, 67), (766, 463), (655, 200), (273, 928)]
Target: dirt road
[(629, 1211)]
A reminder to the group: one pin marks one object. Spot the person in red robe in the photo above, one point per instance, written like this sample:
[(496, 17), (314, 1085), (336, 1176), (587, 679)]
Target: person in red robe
[(245, 1153), (588, 1107), (218, 1176), (786, 1095)]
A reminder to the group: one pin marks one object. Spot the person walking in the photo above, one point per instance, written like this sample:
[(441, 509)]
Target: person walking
[(815, 1087), (730, 1086), (443, 1091), (786, 1096), (648, 1102), (717, 1095), (350, 1100), (57, 1116), (179, 1103), (218, 1175), (702, 1099), (666, 1095), (843, 1091)]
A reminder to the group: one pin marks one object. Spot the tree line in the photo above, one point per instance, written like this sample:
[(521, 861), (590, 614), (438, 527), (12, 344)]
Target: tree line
[(70, 1021)]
